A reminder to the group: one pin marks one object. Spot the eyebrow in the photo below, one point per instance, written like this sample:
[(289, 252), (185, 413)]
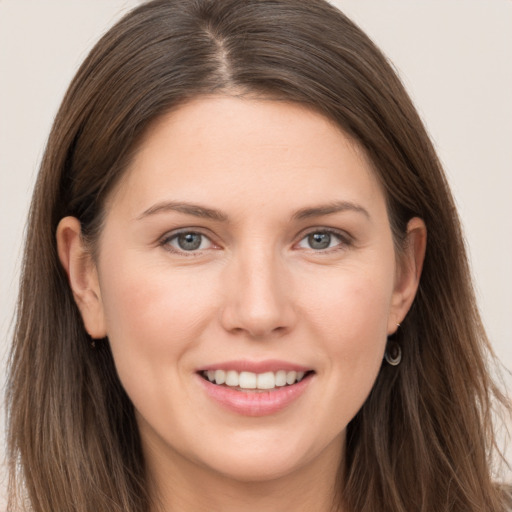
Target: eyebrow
[(213, 214), (187, 208), (328, 209)]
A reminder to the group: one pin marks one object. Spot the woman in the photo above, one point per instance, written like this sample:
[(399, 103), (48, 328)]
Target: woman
[(244, 282)]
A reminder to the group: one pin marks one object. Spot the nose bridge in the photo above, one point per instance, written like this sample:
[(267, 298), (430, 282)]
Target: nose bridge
[(258, 301)]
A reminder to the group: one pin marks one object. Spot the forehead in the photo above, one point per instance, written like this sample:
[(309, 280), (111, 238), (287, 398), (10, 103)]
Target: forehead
[(222, 147)]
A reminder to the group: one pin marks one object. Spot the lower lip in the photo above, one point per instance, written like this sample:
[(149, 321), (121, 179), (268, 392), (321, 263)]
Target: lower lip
[(255, 403)]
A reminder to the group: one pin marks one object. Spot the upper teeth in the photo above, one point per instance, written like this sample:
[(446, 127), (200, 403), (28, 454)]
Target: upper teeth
[(249, 380)]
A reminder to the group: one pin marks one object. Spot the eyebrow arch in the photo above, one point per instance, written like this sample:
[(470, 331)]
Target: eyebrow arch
[(187, 208), (327, 209)]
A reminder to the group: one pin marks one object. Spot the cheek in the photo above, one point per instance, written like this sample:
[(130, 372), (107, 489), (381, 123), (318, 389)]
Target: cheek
[(350, 319), (155, 319), (154, 315), (352, 305)]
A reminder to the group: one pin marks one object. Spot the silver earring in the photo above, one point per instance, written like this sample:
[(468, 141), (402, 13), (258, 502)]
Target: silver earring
[(393, 354)]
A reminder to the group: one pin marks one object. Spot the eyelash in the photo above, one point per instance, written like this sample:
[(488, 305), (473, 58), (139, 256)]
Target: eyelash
[(344, 241), (165, 242)]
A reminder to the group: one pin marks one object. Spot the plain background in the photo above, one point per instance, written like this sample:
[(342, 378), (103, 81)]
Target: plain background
[(454, 56)]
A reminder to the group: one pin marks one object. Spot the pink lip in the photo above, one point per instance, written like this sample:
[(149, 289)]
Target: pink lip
[(255, 403), (272, 365)]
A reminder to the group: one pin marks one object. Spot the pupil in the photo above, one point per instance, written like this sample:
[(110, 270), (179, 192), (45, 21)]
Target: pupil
[(189, 241), (319, 240)]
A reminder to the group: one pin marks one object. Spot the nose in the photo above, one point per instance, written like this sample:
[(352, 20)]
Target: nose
[(258, 302)]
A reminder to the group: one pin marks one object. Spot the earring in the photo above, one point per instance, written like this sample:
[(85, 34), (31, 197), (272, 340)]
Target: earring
[(92, 342), (393, 353)]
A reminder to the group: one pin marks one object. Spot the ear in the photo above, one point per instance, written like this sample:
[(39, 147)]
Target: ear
[(82, 275), (408, 272)]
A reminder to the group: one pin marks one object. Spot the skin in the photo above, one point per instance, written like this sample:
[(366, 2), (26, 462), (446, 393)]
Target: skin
[(255, 290)]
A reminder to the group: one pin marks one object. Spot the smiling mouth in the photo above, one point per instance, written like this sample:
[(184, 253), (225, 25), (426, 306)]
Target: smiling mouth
[(249, 381)]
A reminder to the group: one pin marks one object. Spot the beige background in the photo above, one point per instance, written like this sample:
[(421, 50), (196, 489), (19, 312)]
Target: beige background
[(455, 57)]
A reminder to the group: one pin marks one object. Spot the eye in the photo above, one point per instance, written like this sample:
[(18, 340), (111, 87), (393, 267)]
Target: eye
[(187, 241), (322, 240)]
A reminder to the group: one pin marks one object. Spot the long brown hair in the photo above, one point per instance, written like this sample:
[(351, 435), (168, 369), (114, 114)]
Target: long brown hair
[(423, 440)]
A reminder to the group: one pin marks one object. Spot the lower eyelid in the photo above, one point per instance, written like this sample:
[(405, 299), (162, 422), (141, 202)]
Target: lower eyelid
[(343, 239), (165, 242)]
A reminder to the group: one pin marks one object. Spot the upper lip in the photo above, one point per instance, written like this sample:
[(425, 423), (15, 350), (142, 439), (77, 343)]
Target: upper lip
[(243, 365)]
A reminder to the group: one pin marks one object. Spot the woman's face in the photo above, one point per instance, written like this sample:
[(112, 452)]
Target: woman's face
[(249, 242)]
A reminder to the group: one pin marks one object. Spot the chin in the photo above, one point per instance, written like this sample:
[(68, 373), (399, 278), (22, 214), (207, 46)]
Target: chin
[(264, 468), (263, 460)]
